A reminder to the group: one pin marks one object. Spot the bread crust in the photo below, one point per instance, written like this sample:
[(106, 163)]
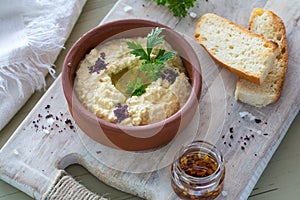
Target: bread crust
[(257, 79), (280, 64), (283, 47)]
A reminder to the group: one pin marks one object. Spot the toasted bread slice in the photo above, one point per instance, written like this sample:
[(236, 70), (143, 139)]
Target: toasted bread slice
[(247, 54), (271, 27)]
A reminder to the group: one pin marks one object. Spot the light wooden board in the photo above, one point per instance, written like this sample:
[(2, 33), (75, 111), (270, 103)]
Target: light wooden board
[(32, 158)]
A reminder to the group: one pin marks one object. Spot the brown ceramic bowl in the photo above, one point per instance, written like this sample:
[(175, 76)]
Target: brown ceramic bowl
[(131, 138)]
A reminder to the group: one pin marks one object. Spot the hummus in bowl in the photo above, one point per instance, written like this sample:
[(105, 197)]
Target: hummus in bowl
[(100, 69), (105, 73)]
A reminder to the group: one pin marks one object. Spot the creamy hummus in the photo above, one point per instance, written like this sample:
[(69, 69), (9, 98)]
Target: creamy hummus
[(97, 86)]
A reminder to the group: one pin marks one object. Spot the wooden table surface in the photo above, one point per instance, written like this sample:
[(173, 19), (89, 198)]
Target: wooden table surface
[(281, 178)]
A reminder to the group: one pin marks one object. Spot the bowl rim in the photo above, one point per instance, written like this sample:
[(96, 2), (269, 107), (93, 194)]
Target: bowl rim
[(72, 98)]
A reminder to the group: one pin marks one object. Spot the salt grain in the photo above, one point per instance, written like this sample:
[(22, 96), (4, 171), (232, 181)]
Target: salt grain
[(224, 193), (50, 121), (249, 115), (193, 15), (46, 131), (127, 9), (243, 114), (16, 152)]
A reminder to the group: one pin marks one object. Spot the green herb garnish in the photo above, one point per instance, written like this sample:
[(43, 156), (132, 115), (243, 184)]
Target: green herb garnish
[(136, 88), (152, 70), (152, 66), (153, 39), (177, 7)]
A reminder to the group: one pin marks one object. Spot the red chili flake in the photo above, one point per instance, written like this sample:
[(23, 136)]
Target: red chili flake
[(231, 129), (246, 138), (258, 120), (68, 121), (49, 116), (71, 127)]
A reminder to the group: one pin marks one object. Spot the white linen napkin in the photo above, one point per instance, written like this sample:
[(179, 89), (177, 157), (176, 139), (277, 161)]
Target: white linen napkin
[(32, 33)]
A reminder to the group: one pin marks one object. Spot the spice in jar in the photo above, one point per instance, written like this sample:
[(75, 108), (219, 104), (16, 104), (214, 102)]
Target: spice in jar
[(198, 172)]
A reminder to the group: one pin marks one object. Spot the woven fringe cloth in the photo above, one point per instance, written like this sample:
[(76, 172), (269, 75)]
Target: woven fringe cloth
[(32, 33), (68, 188)]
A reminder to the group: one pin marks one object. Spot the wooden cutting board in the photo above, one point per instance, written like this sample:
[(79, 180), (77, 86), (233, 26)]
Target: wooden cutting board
[(48, 140)]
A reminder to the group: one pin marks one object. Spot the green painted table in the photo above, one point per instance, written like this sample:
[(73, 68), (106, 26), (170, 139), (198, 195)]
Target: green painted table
[(281, 178)]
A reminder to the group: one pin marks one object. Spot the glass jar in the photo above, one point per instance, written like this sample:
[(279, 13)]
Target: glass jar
[(198, 171)]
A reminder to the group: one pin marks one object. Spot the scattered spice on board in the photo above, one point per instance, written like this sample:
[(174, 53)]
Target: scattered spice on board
[(244, 139), (48, 122)]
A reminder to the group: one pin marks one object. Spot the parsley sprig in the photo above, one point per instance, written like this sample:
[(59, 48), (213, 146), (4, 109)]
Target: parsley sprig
[(153, 40), (177, 7), (151, 66), (136, 88)]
